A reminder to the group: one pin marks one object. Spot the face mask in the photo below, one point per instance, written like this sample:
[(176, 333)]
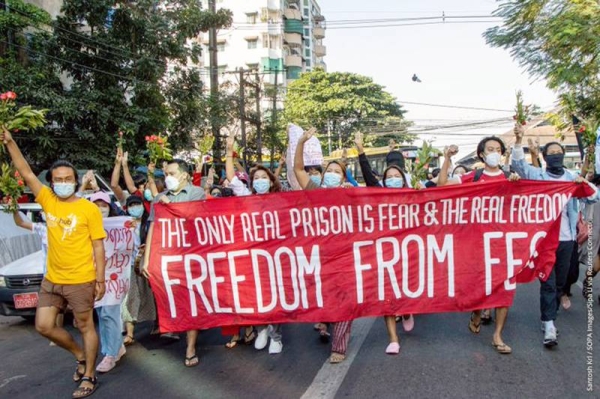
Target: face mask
[(136, 211), (63, 190), (394, 182), (493, 160), (148, 194), (316, 179), (554, 164), (261, 186), (172, 183), (105, 212), (331, 179)]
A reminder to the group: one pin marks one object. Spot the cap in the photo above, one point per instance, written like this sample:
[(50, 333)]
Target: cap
[(133, 199), (100, 196)]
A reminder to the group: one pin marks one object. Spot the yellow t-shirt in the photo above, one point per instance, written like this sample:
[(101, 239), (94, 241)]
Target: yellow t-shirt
[(71, 228)]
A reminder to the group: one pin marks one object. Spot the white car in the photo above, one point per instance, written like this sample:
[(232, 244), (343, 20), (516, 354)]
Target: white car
[(20, 283)]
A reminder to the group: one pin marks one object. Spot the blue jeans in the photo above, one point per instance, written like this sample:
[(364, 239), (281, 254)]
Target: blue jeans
[(111, 330)]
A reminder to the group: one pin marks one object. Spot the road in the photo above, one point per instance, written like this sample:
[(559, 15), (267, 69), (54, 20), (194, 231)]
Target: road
[(438, 359)]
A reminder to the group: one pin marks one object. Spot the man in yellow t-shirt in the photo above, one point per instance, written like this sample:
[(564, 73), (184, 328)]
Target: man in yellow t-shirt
[(75, 263)]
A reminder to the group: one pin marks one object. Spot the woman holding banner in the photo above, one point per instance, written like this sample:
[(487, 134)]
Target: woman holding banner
[(262, 181), (334, 177), (393, 177)]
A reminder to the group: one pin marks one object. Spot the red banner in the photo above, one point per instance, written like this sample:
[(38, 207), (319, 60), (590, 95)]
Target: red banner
[(339, 254)]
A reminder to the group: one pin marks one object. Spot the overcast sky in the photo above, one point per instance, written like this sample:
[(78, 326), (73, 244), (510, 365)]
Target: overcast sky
[(453, 61)]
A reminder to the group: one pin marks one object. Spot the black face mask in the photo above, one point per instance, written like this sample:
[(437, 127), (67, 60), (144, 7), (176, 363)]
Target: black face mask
[(554, 164)]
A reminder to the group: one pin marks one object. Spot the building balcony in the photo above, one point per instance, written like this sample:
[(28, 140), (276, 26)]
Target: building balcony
[(319, 33), (320, 51), (293, 39), (293, 14), (293, 61), (294, 26)]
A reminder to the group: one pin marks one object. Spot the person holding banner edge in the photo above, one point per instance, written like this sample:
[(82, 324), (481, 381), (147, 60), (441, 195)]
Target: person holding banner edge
[(75, 262), (179, 189), (334, 177), (490, 151), (551, 290)]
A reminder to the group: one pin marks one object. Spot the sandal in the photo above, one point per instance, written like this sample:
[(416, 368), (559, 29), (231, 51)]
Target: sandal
[(84, 392), (191, 361), (128, 340), (233, 342), (249, 338), (474, 327), (486, 317), (502, 348), (336, 358), (77, 376), (324, 336)]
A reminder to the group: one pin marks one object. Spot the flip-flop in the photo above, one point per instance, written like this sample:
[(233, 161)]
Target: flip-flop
[(191, 361), (249, 338), (336, 358), (502, 348), (393, 348), (474, 327), (128, 340)]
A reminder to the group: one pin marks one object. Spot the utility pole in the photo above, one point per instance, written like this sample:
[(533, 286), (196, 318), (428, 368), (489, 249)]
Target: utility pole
[(243, 116), (214, 83), (274, 119), (329, 136), (258, 120)]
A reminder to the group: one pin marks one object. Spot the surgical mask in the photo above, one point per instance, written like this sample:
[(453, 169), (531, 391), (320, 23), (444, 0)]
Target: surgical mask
[(394, 182), (331, 179), (554, 164), (136, 211), (172, 183), (261, 186), (63, 190), (316, 179), (493, 160), (105, 211), (148, 194)]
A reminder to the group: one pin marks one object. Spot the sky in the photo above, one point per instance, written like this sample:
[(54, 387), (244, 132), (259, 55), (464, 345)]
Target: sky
[(453, 61)]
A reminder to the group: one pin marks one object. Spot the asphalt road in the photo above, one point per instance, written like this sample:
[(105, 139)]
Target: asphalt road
[(438, 359)]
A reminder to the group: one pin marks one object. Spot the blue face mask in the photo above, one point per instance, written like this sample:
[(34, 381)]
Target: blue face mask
[(261, 186), (331, 180), (136, 211), (148, 194), (394, 182), (63, 190), (316, 179)]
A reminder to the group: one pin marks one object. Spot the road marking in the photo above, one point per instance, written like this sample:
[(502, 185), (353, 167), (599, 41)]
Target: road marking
[(8, 380), (330, 377)]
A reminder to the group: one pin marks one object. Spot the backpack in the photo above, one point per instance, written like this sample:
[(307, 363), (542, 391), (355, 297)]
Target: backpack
[(479, 172)]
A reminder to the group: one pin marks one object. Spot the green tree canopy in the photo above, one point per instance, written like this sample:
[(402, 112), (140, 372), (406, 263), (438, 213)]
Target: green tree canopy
[(558, 40), (126, 68), (347, 101)]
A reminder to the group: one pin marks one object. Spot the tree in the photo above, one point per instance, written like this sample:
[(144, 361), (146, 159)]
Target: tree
[(346, 101), (558, 40), (128, 69)]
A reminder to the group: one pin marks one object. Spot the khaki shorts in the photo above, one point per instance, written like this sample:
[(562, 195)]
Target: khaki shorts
[(80, 297)]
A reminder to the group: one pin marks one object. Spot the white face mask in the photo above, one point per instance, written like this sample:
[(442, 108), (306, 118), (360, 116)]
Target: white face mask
[(64, 190), (172, 183), (493, 160)]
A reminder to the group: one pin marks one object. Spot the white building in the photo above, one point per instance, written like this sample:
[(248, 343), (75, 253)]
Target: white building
[(273, 37)]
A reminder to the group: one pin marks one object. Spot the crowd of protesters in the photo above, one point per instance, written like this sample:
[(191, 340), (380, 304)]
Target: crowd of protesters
[(75, 275)]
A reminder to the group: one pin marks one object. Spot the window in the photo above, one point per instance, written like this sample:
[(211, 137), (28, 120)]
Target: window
[(307, 63), (307, 52), (305, 3), (252, 44), (274, 42), (306, 32), (251, 17), (220, 46), (265, 40), (306, 12)]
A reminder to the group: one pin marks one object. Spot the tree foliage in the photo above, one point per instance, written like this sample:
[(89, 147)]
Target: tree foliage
[(558, 40), (126, 65), (347, 101)]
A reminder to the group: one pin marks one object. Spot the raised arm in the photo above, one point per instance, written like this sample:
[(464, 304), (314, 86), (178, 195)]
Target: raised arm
[(20, 163), (151, 181), (518, 163), (363, 162), (116, 174), (229, 169), (443, 179), (280, 166), (127, 176), (534, 152), (299, 171)]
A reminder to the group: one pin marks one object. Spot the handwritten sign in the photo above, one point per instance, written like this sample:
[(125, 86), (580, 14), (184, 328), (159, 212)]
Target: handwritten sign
[(313, 154)]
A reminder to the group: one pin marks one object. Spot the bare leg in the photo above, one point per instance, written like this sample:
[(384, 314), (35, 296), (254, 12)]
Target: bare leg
[(390, 323), (45, 324), (85, 322), (501, 316), (190, 352)]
